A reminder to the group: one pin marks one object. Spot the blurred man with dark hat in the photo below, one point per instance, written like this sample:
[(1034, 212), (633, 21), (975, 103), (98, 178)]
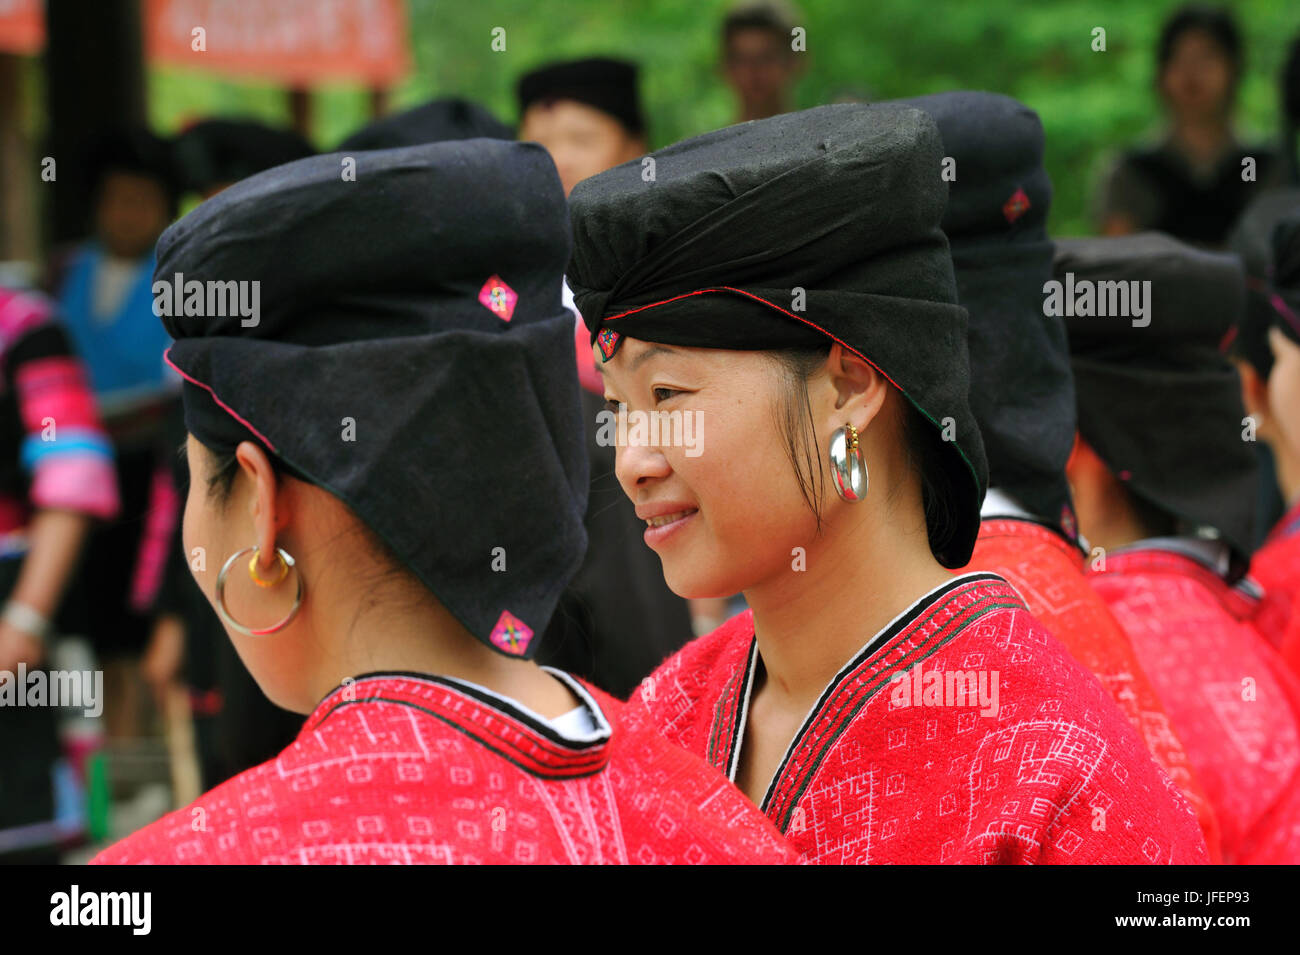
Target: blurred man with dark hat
[(216, 153), (587, 113), (786, 284), (1023, 397), (388, 487), (441, 119), (1163, 478)]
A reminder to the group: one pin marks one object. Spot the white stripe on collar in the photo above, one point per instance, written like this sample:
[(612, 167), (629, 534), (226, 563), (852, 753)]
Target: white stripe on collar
[(602, 729), (998, 503)]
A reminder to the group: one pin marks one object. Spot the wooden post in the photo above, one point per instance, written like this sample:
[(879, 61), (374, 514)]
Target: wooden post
[(19, 176), (94, 84), (300, 111)]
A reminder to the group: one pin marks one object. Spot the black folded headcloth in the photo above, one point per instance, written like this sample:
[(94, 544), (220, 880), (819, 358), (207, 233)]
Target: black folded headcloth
[(1252, 239), (1021, 388), (803, 229), (1285, 294), (409, 353), (1158, 401)]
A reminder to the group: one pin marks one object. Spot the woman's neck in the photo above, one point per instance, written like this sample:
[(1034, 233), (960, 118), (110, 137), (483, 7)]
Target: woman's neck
[(422, 637), (1203, 139), (859, 576), (1287, 468)]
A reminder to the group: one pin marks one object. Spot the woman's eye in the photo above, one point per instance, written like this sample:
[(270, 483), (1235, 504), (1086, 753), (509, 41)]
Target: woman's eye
[(663, 394), (611, 404)]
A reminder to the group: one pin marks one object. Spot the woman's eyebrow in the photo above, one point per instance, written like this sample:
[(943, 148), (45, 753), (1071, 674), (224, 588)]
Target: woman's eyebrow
[(650, 352), (641, 359)]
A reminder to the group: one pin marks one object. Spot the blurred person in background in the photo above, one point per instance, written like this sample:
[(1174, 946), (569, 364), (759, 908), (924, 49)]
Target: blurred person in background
[(1195, 183), (440, 119), (587, 113), (758, 59), (104, 289), (214, 154), (104, 285), (56, 479)]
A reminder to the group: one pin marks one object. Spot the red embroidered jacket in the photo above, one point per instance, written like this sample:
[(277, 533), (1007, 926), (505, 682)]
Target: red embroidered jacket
[(1276, 567), (892, 766), (1048, 572), (1231, 699), (406, 768)]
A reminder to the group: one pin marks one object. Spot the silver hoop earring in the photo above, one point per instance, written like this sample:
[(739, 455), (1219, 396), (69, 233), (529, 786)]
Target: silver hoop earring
[(848, 466), (286, 562)]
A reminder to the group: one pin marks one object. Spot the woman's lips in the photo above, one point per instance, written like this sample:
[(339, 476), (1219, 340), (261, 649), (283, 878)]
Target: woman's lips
[(661, 527)]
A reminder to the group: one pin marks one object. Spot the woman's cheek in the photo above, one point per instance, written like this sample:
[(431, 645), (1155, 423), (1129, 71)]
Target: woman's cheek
[(195, 538), (1284, 395)]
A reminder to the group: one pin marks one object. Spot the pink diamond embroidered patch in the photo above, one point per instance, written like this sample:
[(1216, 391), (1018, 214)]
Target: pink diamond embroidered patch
[(1067, 521), (498, 297), (511, 634), (1016, 206)]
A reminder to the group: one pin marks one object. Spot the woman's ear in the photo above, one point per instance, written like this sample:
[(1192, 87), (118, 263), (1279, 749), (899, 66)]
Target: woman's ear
[(268, 506), (859, 388), (1254, 392)]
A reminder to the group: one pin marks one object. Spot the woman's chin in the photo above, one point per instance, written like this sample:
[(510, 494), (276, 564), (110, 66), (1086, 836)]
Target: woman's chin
[(694, 583)]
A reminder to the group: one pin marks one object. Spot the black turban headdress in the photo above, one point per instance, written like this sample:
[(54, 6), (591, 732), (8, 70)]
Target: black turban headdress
[(1252, 239), (790, 232), (1158, 401), (1285, 295), (411, 356), (1021, 388)]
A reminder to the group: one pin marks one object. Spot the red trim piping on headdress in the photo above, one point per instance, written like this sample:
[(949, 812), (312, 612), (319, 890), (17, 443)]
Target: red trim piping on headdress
[(167, 357), (1280, 306), (759, 298)]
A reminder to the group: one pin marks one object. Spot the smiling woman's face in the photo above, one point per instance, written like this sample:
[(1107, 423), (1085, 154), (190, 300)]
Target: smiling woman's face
[(730, 506)]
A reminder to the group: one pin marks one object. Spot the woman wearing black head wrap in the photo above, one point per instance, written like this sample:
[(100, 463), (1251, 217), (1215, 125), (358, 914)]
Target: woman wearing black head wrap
[(387, 480), (773, 310), (1267, 347), (1023, 397), (1163, 477)]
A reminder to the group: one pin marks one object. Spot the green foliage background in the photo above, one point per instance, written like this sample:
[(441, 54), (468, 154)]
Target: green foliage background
[(1039, 52)]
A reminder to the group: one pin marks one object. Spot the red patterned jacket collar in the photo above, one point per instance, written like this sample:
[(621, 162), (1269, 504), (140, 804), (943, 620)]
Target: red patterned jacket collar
[(507, 728), (928, 624), (1021, 528), (1240, 600)]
